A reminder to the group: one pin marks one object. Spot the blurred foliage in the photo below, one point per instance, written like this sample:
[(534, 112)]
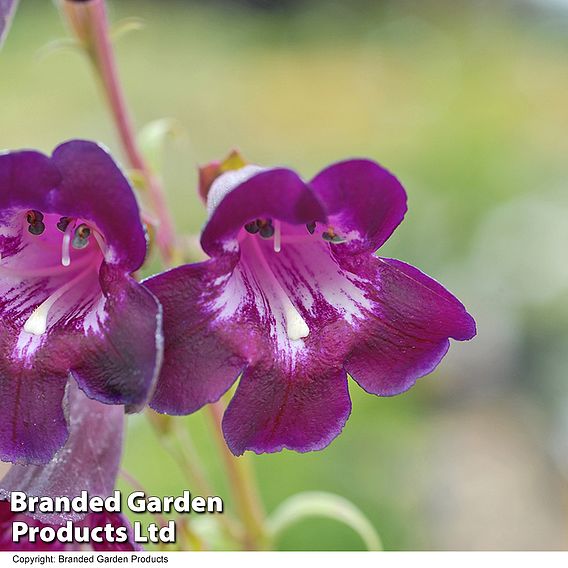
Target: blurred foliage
[(466, 102)]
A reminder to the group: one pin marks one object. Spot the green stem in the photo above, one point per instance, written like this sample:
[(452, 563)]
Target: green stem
[(243, 487), (179, 445)]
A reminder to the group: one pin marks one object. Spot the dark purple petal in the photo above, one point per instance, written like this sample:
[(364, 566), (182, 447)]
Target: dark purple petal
[(7, 9), (93, 187), (116, 520), (407, 334), (81, 181), (198, 368), (118, 359), (89, 461), (32, 421), (277, 193), (8, 545), (300, 410), (364, 202)]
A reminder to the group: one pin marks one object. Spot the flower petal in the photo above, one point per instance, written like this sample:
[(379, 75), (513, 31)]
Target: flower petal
[(7, 518), (32, 421), (81, 180), (118, 359), (89, 461), (407, 335), (295, 409), (361, 199), (94, 187), (198, 368), (277, 193)]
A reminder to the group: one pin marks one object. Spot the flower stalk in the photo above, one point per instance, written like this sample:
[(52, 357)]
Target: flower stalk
[(89, 22), (243, 486)]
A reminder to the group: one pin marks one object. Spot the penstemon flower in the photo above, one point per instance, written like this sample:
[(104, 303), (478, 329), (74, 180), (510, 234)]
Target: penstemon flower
[(294, 299), (70, 237), (89, 461)]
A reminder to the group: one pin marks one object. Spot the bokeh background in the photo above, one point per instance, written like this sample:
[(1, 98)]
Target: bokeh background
[(467, 102)]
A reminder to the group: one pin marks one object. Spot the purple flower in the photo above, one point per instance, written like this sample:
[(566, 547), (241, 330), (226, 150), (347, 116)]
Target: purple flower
[(70, 237), (89, 461), (294, 299)]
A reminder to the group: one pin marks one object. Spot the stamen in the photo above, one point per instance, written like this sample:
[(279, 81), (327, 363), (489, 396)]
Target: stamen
[(36, 228), (252, 227), (63, 223), (34, 216), (331, 237), (36, 324), (81, 238), (34, 219), (311, 227), (101, 242), (277, 236), (266, 228), (66, 243)]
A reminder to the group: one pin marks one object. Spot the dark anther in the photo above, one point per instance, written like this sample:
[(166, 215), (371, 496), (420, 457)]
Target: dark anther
[(36, 228), (311, 227), (34, 216), (81, 237), (266, 228), (63, 223), (252, 227), (331, 237)]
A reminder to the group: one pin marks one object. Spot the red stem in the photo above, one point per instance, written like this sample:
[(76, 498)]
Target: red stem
[(102, 54)]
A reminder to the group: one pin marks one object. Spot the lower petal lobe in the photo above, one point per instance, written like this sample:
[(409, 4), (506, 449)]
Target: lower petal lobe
[(89, 460), (274, 408), (32, 421), (119, 356), (198, 366), (408, 333)]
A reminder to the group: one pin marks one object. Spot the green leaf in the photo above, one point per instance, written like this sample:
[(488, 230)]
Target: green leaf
[(321, 504)]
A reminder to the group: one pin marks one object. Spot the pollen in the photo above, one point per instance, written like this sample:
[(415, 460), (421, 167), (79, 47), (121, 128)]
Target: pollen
[(35, 221), (81, 237), (331, 236), (266, 228), (252, 227)]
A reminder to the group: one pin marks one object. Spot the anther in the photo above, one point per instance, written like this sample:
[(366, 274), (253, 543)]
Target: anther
[(34, 216), (311, 227), (252, 227), (331, 237), (81, 237), (266, 228), (63, 223), (36, 228)]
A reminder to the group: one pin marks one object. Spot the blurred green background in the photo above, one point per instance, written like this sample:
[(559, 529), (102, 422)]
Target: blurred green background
[(466, 101)]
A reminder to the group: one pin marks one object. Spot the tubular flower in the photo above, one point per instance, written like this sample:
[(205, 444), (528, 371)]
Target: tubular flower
[(89, 461), (70, 237), (294, 299)]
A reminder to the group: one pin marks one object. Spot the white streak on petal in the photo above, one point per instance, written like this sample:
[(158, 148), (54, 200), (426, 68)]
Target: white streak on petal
[(228, 181)]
